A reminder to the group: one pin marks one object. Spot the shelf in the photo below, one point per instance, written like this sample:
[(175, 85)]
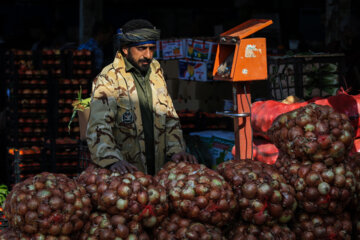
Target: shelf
[(32, 96), (50, 86)]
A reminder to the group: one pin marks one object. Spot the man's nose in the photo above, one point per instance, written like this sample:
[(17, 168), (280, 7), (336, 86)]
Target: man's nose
[(148, 53)]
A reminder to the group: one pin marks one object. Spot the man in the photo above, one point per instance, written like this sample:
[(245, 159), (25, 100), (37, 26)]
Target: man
[(133, 124)]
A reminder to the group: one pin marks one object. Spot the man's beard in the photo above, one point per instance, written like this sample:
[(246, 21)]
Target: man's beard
[(142, 68)]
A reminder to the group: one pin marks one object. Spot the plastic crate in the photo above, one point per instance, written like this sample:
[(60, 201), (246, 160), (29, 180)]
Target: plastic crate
[(3, 221), (305, 76)]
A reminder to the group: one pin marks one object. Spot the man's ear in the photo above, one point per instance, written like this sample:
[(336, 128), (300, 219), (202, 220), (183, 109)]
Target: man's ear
[(125, 50)]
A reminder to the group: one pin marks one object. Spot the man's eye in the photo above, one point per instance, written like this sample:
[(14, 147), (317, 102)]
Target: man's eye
[(144, 48)]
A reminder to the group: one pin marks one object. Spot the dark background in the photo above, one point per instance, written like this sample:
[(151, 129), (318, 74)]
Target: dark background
[(23, 21), (58, 23)]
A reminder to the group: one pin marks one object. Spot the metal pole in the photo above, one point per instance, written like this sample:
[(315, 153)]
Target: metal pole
[(81, 21), (17, 162)]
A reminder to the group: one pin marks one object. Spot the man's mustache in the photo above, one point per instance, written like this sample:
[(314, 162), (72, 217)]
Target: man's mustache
[(145, 61)]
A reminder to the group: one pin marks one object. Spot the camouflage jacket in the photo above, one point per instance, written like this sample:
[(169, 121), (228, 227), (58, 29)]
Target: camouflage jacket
[(115, 129)]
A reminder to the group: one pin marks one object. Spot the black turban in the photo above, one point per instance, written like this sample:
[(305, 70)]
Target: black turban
[(137, 32)]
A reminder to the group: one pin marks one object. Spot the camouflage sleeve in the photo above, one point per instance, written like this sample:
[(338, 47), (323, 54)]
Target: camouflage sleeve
[(100, 138), (174, 136)]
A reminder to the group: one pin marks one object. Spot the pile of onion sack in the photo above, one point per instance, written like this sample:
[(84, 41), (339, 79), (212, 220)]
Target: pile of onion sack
[(247, 231), (198, 193), (175, 227), (314, 144), (103, 226), (47, 206), (263, 195), (135, 196)]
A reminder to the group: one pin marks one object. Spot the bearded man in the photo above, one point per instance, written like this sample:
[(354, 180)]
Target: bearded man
[(133, 124)]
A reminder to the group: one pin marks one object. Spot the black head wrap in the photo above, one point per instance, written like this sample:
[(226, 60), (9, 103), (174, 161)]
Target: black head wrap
[(137, 32)]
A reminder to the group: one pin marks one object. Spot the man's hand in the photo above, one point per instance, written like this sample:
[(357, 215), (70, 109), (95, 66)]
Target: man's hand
[(183, 156), (123, 167)]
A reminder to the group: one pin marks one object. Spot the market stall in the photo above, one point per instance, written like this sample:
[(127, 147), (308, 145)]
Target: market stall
[(266, 169)]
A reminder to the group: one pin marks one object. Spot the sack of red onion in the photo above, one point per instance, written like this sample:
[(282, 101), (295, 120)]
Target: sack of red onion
[(136, 196), (247, 231), (314, 226), (198, 193), (47, 204), (102, 226), (263, 195), (11, 234), (320, 189), (175, 227), (315, 133)]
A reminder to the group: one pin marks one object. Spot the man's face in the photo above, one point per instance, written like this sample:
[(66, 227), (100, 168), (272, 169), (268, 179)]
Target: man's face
[(140, 56)]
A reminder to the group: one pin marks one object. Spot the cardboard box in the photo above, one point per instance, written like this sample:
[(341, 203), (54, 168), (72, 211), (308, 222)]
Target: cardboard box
[(173, 87), (206, 90), (83, 121), (187, 89), (210, 106), (199, 49), (184, 104), (220, 151), (193, 70), (172, 49), (171, 68)]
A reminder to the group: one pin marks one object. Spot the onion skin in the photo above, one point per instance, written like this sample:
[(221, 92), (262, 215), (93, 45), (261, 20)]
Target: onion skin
[(249, 190)]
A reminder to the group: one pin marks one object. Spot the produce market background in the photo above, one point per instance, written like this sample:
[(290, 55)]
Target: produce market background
[(312, 46)]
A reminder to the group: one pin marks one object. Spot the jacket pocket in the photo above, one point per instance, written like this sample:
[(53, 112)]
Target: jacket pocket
[(125, 122)]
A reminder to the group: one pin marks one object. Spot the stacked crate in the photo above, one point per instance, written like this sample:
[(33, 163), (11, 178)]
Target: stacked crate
[(62, 149), (3, 221), (41, 87), (27, 125), (192, 121), (305, 75)]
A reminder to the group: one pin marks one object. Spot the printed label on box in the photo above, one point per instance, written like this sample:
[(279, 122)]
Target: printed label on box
[(193, 70), (189, 48), (172, 49), (220, 151), (199, 49)]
